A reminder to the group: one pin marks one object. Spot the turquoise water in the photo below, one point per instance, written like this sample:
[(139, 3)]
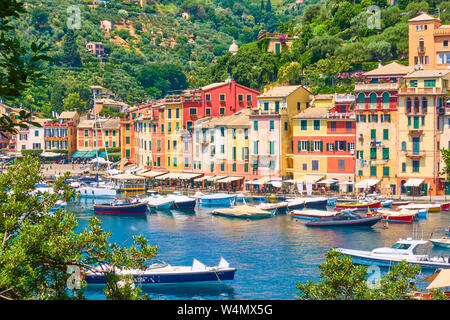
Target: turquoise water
[(271, 255)]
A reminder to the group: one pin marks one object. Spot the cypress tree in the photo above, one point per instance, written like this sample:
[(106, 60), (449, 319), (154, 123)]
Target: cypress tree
[(71, 56), (269, 6)]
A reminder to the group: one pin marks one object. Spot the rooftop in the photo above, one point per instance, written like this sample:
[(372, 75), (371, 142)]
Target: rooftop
[(280, 92), (393, 68), (313, 113), (422, 17), (427, 73), (67, 115)]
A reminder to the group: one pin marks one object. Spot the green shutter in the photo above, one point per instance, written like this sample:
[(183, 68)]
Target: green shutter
[(373, 134), (385, 153), (321, 145), (385, 134)]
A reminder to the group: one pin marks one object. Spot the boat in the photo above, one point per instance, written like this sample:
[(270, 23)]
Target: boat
[(319, 202), (312, 214), (59, 205), (163, 272), (96, 192), (121, 207), (346, 219), (296, 203), (218, 199), (331, 202), (445, 206), (400, 203), (401, 216), (404, 249), (158, 203), (276, 208), (241, 197), (431, 207), (259, 198), (359, 205), (387, 203), (243, 211), (443, 242), (180, 201)]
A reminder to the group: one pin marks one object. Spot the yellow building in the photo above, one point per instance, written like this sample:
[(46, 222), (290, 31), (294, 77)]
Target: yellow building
[(173, 123), (422, 99), (271, 152), (143, 141)]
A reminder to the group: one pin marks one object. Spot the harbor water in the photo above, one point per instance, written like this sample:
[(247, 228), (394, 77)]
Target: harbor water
[(271, 255)]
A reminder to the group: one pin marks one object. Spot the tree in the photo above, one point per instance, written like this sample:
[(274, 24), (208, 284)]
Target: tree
[(71, 56), (72, 102), (269, 6), (445, 153), (38, 247), (343, 280)]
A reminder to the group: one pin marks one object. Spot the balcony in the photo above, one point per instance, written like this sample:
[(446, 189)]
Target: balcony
[(421, 49), (376, 106), (337, 115), (414, 154), (415, 131), (413, 91), (376, 87)]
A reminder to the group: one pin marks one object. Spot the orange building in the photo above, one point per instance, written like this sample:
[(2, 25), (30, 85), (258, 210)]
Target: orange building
[(429, 46)]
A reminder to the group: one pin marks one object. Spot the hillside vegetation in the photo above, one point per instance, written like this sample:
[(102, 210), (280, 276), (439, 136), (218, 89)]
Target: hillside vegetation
[(166, 46)]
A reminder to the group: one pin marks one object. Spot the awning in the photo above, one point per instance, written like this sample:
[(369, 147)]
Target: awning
[(442, 280), (187, 175), (328, 181), (366, 183), (169, 175), (230, 179), (203, 178), (215, 178), (127, 176), (84, 154), (413, 182), (309, 178), (346, 182), (263, 180), (151, 174)]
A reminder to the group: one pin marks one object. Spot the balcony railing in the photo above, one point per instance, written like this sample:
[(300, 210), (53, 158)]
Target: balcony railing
[(376, 86), (433, 90), (337, 115), (414, 154)]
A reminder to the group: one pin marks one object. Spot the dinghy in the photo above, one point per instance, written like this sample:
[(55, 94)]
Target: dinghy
[(443, 242), (243, 211), (165, 273)]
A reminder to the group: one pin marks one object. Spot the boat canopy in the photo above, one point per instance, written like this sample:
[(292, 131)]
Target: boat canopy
[(441, 280), (413, 182), (366, 183)]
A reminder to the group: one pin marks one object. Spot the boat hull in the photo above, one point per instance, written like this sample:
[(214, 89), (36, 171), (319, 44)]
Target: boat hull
[(440, 244), (361, 206), (295, 206), (162, 206), (445, 206), (228, 201), (305, 214), (364, 222), (316, 204), (392, 218), (187, 205), (168, 277), (140, 208), (97, 193)]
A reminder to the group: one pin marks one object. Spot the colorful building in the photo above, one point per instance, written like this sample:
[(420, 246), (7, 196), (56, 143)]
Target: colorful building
[(61, 133), (429, 43), (31, 137), (422, 99), (277, 42), (271, 153), (377, 128)]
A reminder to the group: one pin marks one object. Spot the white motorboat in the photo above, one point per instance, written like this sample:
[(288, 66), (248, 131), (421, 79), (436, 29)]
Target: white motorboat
[(404, 249), (431, 207), (158, 202), (97, 192), (180, 201), (312, 214)]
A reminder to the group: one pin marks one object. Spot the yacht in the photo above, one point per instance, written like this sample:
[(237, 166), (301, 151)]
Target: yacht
[(404, 249)]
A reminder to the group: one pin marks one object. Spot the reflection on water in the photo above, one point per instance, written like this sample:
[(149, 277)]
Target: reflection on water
[(271, 255)]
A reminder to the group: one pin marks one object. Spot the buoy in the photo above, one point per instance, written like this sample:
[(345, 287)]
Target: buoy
[(296, 220), (82, 207), (248, 220)]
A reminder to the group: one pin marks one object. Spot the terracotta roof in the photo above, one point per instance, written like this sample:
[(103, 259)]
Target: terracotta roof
[(214, 85), (240, 118), (393, 68), (282, 91), (427, 73), (422, 17), (67, 114), (111, 124), (312, 113), (324, 97)]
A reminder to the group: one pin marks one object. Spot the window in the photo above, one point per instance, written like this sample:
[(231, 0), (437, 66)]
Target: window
[(207, 97), (298, 106), (303, 145), (222, 166), (272, 147), (413, 83), (373, 153), (177, 113), (234, 167), (415, 165), (373, 134), (385, 97), (333, 126), (285, 126), (255, 125), (373, 97), (272, 125), (222, 111), (127, 140), (385, 171), (385, 134), (255, 147), (316, 125), (316, 145), (385, 153), (373, 171), (266, 106), (361, 98), (315, 165), (234, 153), (249, 98), (127, 153), (277, 106), (208, 111), (303, 125), (246, 134), (277, 47), (222, 97), (240, 97), (305, 166), (234, 133), (245, 167), (445, 43), (348, 126), (192, 111), (341, 164), (429, 83)]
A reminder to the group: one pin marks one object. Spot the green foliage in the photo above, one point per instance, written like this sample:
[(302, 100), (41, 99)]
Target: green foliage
[(31, 152), (342, 280)]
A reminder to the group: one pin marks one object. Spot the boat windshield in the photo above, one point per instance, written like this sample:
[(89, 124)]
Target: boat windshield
[(403, 246)]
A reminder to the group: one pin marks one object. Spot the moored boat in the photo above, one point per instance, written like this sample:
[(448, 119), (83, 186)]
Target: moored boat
[(121, 207), (404, 249), (158, 202), (400, 203), (319, 202), (296, 203), (401, 216), (243, 211), (359, 205), (443, 242), (445, 206), (331, 202), (181, 201), (218, 199), (312, 214), (345, 219), (275, 208), (97, 192), (431, 207), (386, 203), (165, 273)]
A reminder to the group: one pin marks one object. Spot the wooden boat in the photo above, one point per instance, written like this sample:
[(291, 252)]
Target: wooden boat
[(312, 214), (445, 206), (431, 207), (346, 219), (443, 242), (243, 211), (165, 273), (401, 216), (275, 208), (358, 205), (121, 207), (403, 250)]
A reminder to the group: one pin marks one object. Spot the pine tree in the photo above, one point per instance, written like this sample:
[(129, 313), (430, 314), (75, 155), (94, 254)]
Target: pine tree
[(71, 56), (268, 6)]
